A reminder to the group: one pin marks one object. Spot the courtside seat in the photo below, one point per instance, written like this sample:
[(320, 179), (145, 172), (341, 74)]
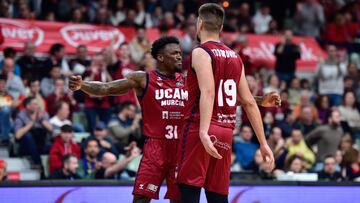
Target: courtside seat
[(17, 164), (30, 175)]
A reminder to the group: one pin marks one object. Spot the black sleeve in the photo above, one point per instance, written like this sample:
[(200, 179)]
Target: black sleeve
[(100, 174)]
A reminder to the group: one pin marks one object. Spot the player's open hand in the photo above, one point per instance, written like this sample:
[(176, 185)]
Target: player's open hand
[(268, 157), (75, 82), (209, 146), (271, 99)]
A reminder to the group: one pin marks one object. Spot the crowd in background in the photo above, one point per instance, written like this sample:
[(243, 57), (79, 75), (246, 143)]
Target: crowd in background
[(316, 129)]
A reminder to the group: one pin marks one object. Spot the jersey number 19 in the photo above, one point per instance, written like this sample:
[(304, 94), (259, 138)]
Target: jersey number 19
[(229, 88)]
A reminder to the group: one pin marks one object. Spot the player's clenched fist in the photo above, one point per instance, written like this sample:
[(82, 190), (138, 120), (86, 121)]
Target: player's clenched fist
[(75, 82)]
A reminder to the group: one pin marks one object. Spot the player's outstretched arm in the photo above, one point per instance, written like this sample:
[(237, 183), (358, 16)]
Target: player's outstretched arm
[(201, 62), (135, 80), (247, 101)]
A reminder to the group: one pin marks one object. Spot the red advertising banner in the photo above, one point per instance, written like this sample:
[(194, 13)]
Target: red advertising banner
[(45, 33)]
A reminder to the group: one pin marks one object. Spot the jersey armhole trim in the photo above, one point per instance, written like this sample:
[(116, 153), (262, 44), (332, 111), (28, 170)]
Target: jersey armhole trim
[(207, 51), (146, 87)]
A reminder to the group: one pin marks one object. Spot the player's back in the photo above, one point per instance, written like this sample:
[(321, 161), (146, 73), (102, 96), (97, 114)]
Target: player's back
[(227, 68), (162, 105)]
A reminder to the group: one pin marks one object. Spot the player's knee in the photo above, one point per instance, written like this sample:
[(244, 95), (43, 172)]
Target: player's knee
[(213, 197), (141, 199)]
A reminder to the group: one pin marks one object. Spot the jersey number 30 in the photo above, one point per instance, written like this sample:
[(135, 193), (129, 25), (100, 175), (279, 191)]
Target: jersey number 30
[(229, 88), (171, 132)]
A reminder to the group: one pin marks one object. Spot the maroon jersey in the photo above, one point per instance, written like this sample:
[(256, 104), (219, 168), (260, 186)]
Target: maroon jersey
[(163, 105), (227, 68)]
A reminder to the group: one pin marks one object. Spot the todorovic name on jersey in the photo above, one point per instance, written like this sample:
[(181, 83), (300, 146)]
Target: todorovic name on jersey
[(226, 118), (224, 53), (172, 96)]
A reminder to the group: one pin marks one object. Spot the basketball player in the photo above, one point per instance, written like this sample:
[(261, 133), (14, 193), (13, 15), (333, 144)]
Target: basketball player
[(163, 96), (215, 81)]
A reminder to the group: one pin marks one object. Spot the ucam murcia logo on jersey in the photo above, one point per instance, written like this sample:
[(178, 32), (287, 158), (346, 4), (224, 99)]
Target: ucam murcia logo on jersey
[(172, 96)]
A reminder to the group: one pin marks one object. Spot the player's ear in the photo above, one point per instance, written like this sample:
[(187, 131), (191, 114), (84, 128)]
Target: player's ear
[(221, 28), (160, 58)]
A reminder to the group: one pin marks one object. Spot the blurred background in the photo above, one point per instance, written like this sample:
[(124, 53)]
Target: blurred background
[(305, 50)]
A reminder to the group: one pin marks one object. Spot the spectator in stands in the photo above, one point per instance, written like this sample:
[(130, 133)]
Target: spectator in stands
[(5, 12), (57, 58), (6, 103), (323, 108), (340, 31), (273, 85), (273, 28), (118, 13), (78, 16), (89, 164), (305, 102), (179, 15), (262, 19), (3, 173), (156, 17), (63, 145), (97, 106), (61, 117), (350, 113), (14, 85), (286, 53), (353, 168), (296, 164), (125, 126), (65, 8), (30, 66), (286, 125), (348, 152), (276, 141), (148, 62), (245, 150), (100, 133), (130, 19), (354, 74), (47, 85), (244, 18), (330, 74), (309, 19), (69, 168), (306, 122), (110, 168), (268, 122), (239, 46), (102, 17), (34, 91), (139, 45), (296, 146), (60, 94), (80, 63), (326, 138), (31, 129), (294, 92), (10, 53), (329, 172), (189, 41)]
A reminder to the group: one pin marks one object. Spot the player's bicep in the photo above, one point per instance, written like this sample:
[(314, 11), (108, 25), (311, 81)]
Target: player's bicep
[(133, 80), (245, 96), (202, 65)]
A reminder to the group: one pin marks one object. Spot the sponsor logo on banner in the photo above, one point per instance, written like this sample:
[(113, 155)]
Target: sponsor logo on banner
[(17, 32), (95, 37)]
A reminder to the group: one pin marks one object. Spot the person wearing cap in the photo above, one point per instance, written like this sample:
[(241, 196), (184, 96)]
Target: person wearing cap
[(100, 133), (63, 145)]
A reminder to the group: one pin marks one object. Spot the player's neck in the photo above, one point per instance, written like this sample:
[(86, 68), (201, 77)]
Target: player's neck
[(209, 36), (165, 72)]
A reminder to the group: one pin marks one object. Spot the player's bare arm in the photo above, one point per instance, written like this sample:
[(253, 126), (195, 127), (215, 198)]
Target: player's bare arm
[(271, 99), (202, 65), (247, 101), (135, 80)]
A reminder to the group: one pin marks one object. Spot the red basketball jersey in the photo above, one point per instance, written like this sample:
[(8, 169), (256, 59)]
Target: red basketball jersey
[(163, 105), (227, 67)]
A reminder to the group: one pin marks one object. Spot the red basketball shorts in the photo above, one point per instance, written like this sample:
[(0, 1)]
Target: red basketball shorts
[(158, 163), (198, 168)]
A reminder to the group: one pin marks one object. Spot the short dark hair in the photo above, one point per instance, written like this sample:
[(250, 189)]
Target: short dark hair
[(27, 100), (56, 48), (328, 156), (66, 158), (160, 44), (3, 77), (91, 140), (212, 16), (66, 128), (58, 105), (32, 80), (9, 52)]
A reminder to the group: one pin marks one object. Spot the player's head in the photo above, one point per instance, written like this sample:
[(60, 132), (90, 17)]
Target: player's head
[(211, 19), (167, 53)]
